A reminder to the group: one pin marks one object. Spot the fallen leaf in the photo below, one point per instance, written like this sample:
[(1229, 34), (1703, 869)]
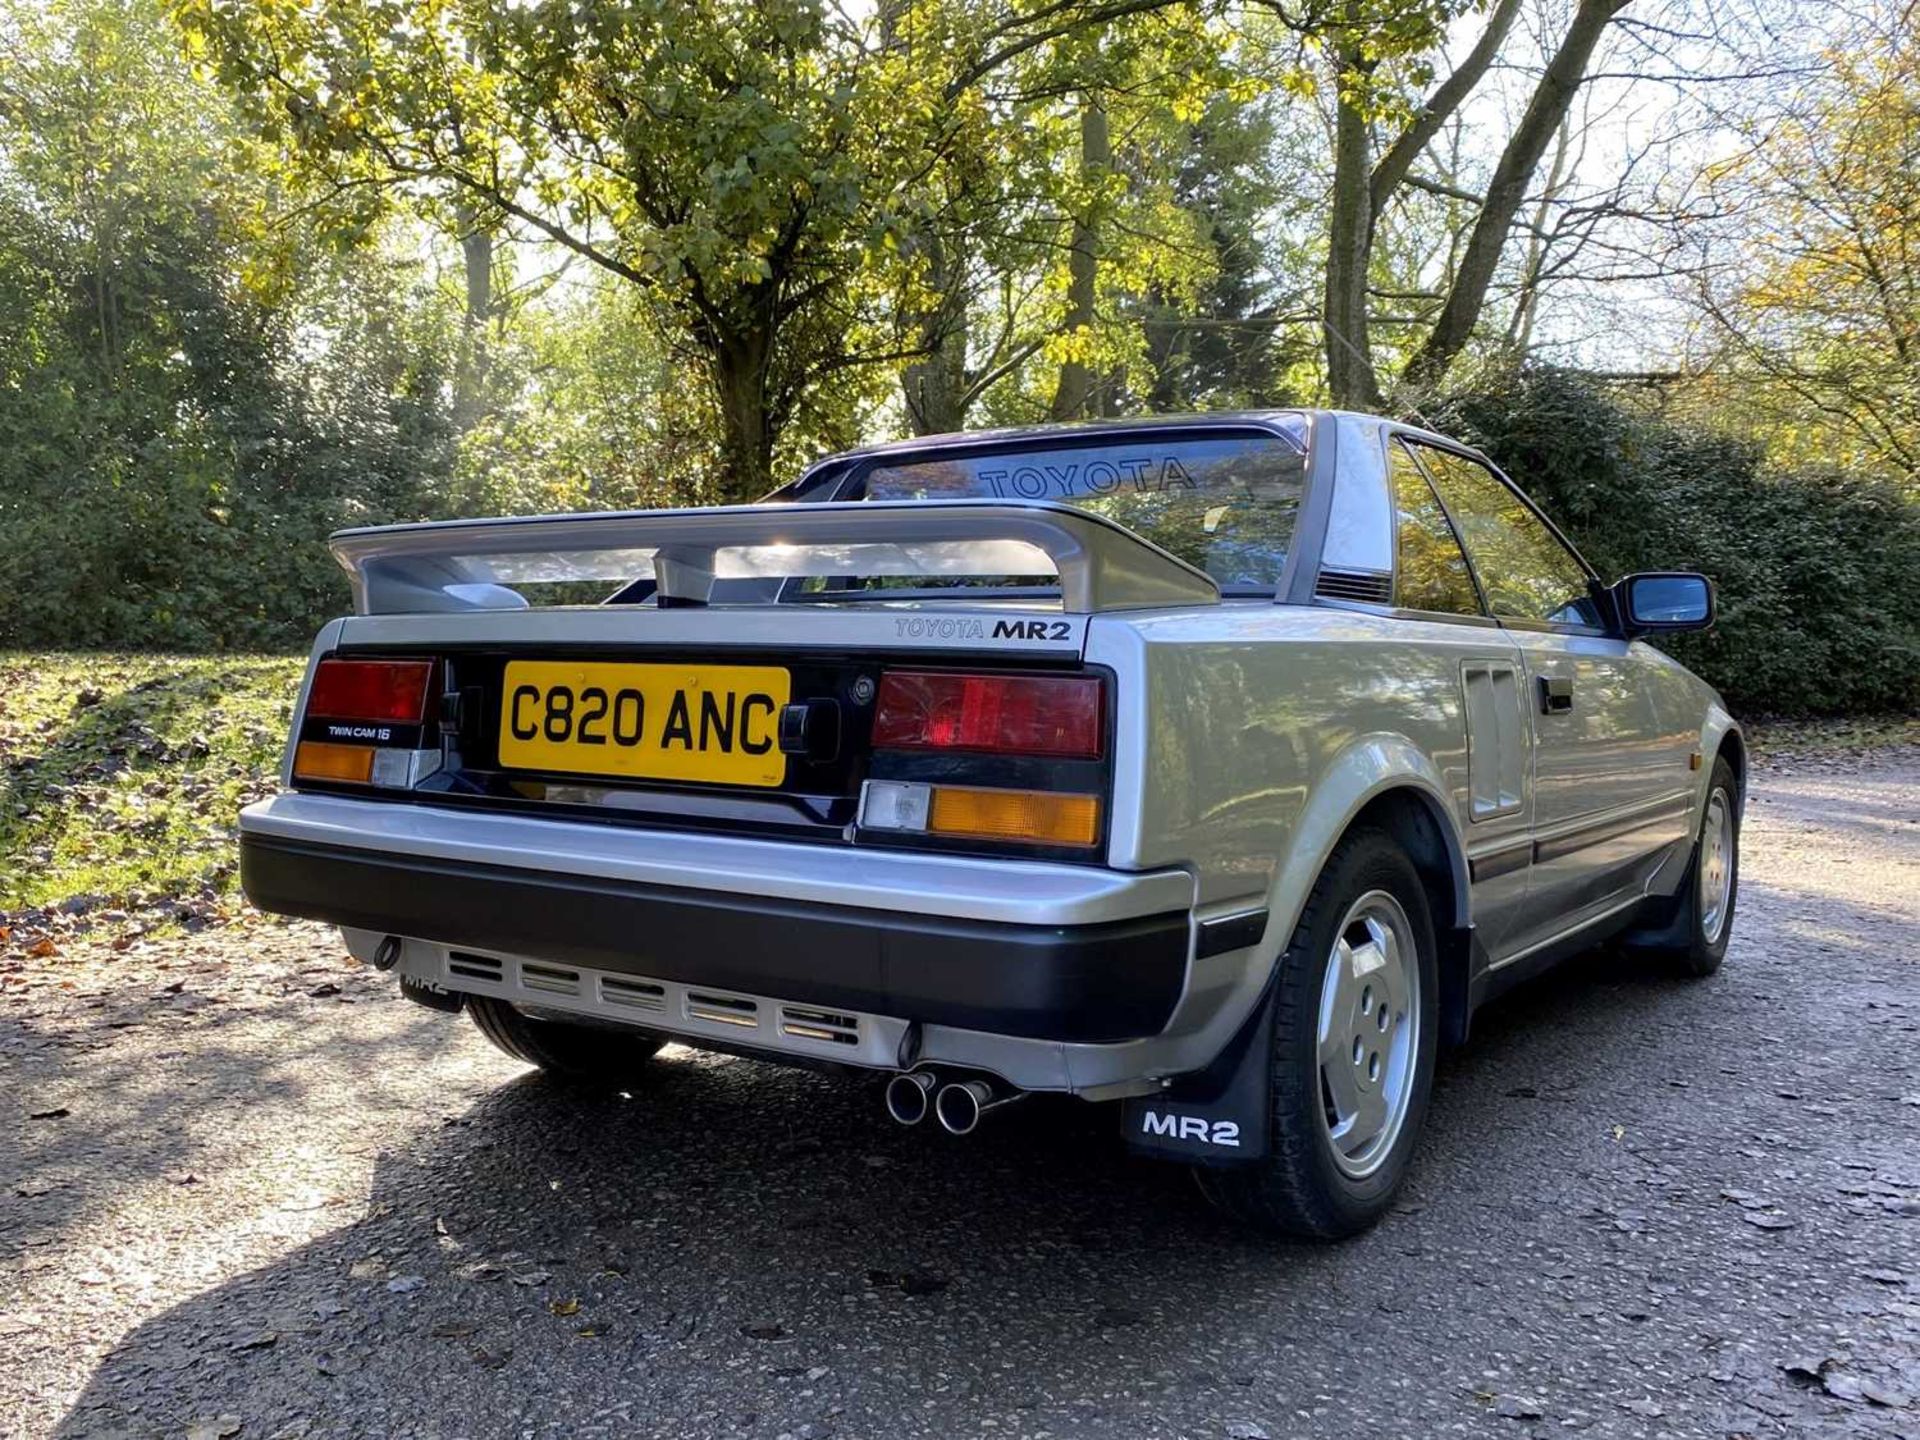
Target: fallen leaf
[(491, 1359), (533, 1277), (454, 1329), (43, 949), (563, 1307), (369, 1267), (764, 1332)]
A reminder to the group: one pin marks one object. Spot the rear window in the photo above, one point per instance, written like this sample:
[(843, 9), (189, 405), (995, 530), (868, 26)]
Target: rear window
[(1226, 505)]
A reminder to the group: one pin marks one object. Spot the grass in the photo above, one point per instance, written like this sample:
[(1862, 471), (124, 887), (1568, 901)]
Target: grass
[(121, 775)]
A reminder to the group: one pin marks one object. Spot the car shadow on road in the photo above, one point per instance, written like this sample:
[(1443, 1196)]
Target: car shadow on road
[(139, 1091), (728, 1226)]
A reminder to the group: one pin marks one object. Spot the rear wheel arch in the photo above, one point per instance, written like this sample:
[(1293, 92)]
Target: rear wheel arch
[(1418, 822)]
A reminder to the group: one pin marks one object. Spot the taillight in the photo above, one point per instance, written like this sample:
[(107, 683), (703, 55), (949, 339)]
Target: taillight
[(392, 692), (365, 723), (1054, 715)]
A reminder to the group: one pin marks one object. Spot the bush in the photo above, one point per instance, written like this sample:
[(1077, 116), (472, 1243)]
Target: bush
[(1819, 612)]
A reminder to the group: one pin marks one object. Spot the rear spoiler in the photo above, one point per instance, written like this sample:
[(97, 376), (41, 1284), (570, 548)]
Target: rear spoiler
[(472, 564)]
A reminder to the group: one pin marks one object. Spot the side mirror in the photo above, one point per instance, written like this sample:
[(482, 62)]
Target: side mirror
[(1665, 600)]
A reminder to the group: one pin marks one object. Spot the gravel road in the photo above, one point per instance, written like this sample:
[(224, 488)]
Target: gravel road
[(245, 1190)]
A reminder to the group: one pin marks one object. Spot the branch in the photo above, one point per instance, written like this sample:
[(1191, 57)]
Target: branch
[(1391, 171)]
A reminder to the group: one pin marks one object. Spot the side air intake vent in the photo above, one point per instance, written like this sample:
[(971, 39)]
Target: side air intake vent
[(476, 967), (1364, 585)]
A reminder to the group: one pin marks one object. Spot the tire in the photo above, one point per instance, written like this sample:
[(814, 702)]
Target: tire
[(1695, 926), (1324, 1176), (581, 1054)]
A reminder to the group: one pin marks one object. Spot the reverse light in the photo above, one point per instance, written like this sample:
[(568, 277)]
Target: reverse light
[(1042, 817), (392, 692), (1052, 715)]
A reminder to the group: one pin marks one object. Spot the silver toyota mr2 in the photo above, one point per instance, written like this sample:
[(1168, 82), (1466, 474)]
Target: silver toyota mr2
[(1220, 766)]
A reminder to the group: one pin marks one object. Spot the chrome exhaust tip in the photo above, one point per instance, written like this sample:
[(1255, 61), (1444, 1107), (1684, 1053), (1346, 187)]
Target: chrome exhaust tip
[(909, 1095), (960, 1105)]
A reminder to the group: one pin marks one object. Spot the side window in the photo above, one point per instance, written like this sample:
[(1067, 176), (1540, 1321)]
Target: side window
[(1432, 572), (1527, 573)]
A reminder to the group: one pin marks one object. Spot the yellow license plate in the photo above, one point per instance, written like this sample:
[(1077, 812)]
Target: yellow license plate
[(715, 724)]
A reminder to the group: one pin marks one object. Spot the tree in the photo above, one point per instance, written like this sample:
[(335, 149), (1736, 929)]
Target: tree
[(1364, 42), (189, 398), (1814, 306), (753, 166), (1221, 346)]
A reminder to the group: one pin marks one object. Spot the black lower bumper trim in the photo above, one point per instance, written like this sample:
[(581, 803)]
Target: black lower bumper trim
[(1088, 983)]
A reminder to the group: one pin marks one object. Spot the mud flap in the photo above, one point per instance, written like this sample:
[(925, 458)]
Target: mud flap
[(1215, 1116)]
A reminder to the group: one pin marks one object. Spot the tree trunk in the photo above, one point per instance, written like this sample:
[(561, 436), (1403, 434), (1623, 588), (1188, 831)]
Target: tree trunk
[(1446, 98), (1507, 191), (1350, 373), (746, 430), (935, 388), (1074, 396), (471, 364)]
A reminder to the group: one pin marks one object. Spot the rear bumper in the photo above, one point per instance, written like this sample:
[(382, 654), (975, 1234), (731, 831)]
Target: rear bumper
[(1093, 957)]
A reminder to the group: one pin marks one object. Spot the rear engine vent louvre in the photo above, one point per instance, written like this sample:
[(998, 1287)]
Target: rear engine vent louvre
[(819, 1025), (666, 1007), (633, 994), (549, 978), (476, 967), (723, 1010), (1367, 586)]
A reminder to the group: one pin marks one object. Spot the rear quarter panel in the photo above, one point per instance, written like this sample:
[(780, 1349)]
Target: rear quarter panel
[(1248, 736)]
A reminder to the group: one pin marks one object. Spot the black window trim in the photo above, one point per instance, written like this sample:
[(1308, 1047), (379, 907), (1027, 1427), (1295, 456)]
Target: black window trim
[(1597, 591)]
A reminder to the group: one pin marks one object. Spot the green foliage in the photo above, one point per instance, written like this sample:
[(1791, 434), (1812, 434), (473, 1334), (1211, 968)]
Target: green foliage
[(1815, 567), (178, 431), (121, 775)]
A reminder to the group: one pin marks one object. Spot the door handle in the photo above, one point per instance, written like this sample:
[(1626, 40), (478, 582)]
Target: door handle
[(1556, 694)]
